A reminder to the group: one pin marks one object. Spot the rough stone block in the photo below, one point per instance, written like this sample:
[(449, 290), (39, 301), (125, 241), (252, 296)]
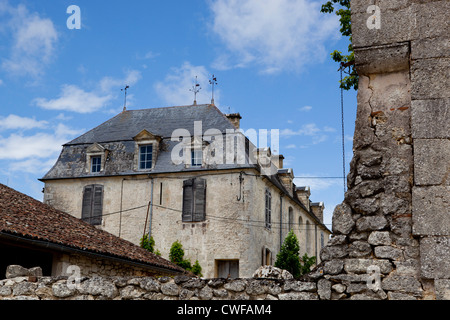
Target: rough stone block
[(371, 223), (430, 118), (430, 210), (442, 289), (432, 161), (361, 265), (430, 78), (342, 221), (395, 26), (435, 257), (382, 59), (420, 49), (380, 238)]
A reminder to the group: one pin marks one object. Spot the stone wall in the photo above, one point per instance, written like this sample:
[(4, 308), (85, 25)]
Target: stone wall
[(150, 288), (394, 223)]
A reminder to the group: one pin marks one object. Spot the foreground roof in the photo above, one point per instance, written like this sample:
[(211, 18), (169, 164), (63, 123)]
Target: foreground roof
[(29, 219)]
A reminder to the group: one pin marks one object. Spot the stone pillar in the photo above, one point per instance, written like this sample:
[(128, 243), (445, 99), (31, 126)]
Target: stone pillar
[(392, 232)]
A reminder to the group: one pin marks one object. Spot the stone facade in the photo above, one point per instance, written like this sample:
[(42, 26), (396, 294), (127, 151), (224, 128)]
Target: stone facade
[(232, 231)]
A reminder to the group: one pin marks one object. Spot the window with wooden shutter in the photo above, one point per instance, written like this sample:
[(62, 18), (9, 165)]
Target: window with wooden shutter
[(194, 200), (92, 206)]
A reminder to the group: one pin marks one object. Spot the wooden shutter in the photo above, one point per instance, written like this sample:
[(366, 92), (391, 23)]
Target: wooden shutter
[(92, 206), (188, 196), (97, 205), (86, 210), (199, 199)]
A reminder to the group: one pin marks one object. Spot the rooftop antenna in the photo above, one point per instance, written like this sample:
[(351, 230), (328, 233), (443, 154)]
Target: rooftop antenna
[(212, 82), (125, 101), (195, 89)]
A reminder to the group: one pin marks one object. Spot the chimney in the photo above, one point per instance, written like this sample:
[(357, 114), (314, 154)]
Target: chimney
[(303, 194), (317, 209), (287, 176), (235, 119), (277, 160)]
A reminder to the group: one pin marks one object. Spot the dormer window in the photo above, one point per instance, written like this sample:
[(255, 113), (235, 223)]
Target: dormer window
[(96, 156), (196, 158), (96, 164), (147, 146), (145, 156)]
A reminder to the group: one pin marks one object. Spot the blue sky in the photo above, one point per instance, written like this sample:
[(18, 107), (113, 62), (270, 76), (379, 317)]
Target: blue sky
[(271, 59)]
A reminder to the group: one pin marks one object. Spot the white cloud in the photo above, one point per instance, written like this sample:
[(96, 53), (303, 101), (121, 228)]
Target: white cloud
[(72, 98), (273, 34), (13, 121), (33, 41), (174, 90), (305, 108), (316, 184), (39, 145), (309, 129), (75, 99)]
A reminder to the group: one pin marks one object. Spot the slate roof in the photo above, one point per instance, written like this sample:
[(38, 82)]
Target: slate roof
[(29, 219), (116, 135), (159, 121)]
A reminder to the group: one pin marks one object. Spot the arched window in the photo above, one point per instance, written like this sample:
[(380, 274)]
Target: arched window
[(300, 226)]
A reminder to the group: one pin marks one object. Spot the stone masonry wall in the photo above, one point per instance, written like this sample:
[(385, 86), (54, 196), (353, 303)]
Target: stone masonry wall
[(150, 288), (394, 223)]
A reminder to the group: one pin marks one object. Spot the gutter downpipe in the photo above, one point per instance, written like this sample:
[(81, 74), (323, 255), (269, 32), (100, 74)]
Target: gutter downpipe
[(151, 210), (281, 220)]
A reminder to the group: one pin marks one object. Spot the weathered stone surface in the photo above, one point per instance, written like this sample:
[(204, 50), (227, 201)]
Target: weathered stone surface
[(388, 252), (430, 119), (334, 252), (271, 272), (24, 288), (442, 287), (435, 257), (61, 290), (298, 296), (361, 265), (342, 221), (149, 284), (170, 289), (334, 266), (324, 289), (235, 285), (426, 87), (379, 238), (406, 284), (432, 161), (400, 296), (131, 293), (431, 207), (97, 286), (299, 286), (206, 293), (13, 271), (371, 223), (359, 249)]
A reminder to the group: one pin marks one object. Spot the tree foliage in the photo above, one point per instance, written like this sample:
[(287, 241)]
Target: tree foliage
[(176, 255), (288, 257), (346, 61)]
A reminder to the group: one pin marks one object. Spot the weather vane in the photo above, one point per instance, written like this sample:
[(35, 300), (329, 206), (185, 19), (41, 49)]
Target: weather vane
[(195, 89), (125, 101), (212, 82)]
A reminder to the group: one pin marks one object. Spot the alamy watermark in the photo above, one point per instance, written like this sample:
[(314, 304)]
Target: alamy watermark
[(374, 21), (74, 20), (234, 147)]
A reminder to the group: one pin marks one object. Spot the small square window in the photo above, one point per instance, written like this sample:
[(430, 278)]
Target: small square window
[(196, 158), (145, 156), (96, 164)]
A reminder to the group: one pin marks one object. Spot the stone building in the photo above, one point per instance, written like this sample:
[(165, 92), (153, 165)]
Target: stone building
[(188, 174), (33, 234)]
